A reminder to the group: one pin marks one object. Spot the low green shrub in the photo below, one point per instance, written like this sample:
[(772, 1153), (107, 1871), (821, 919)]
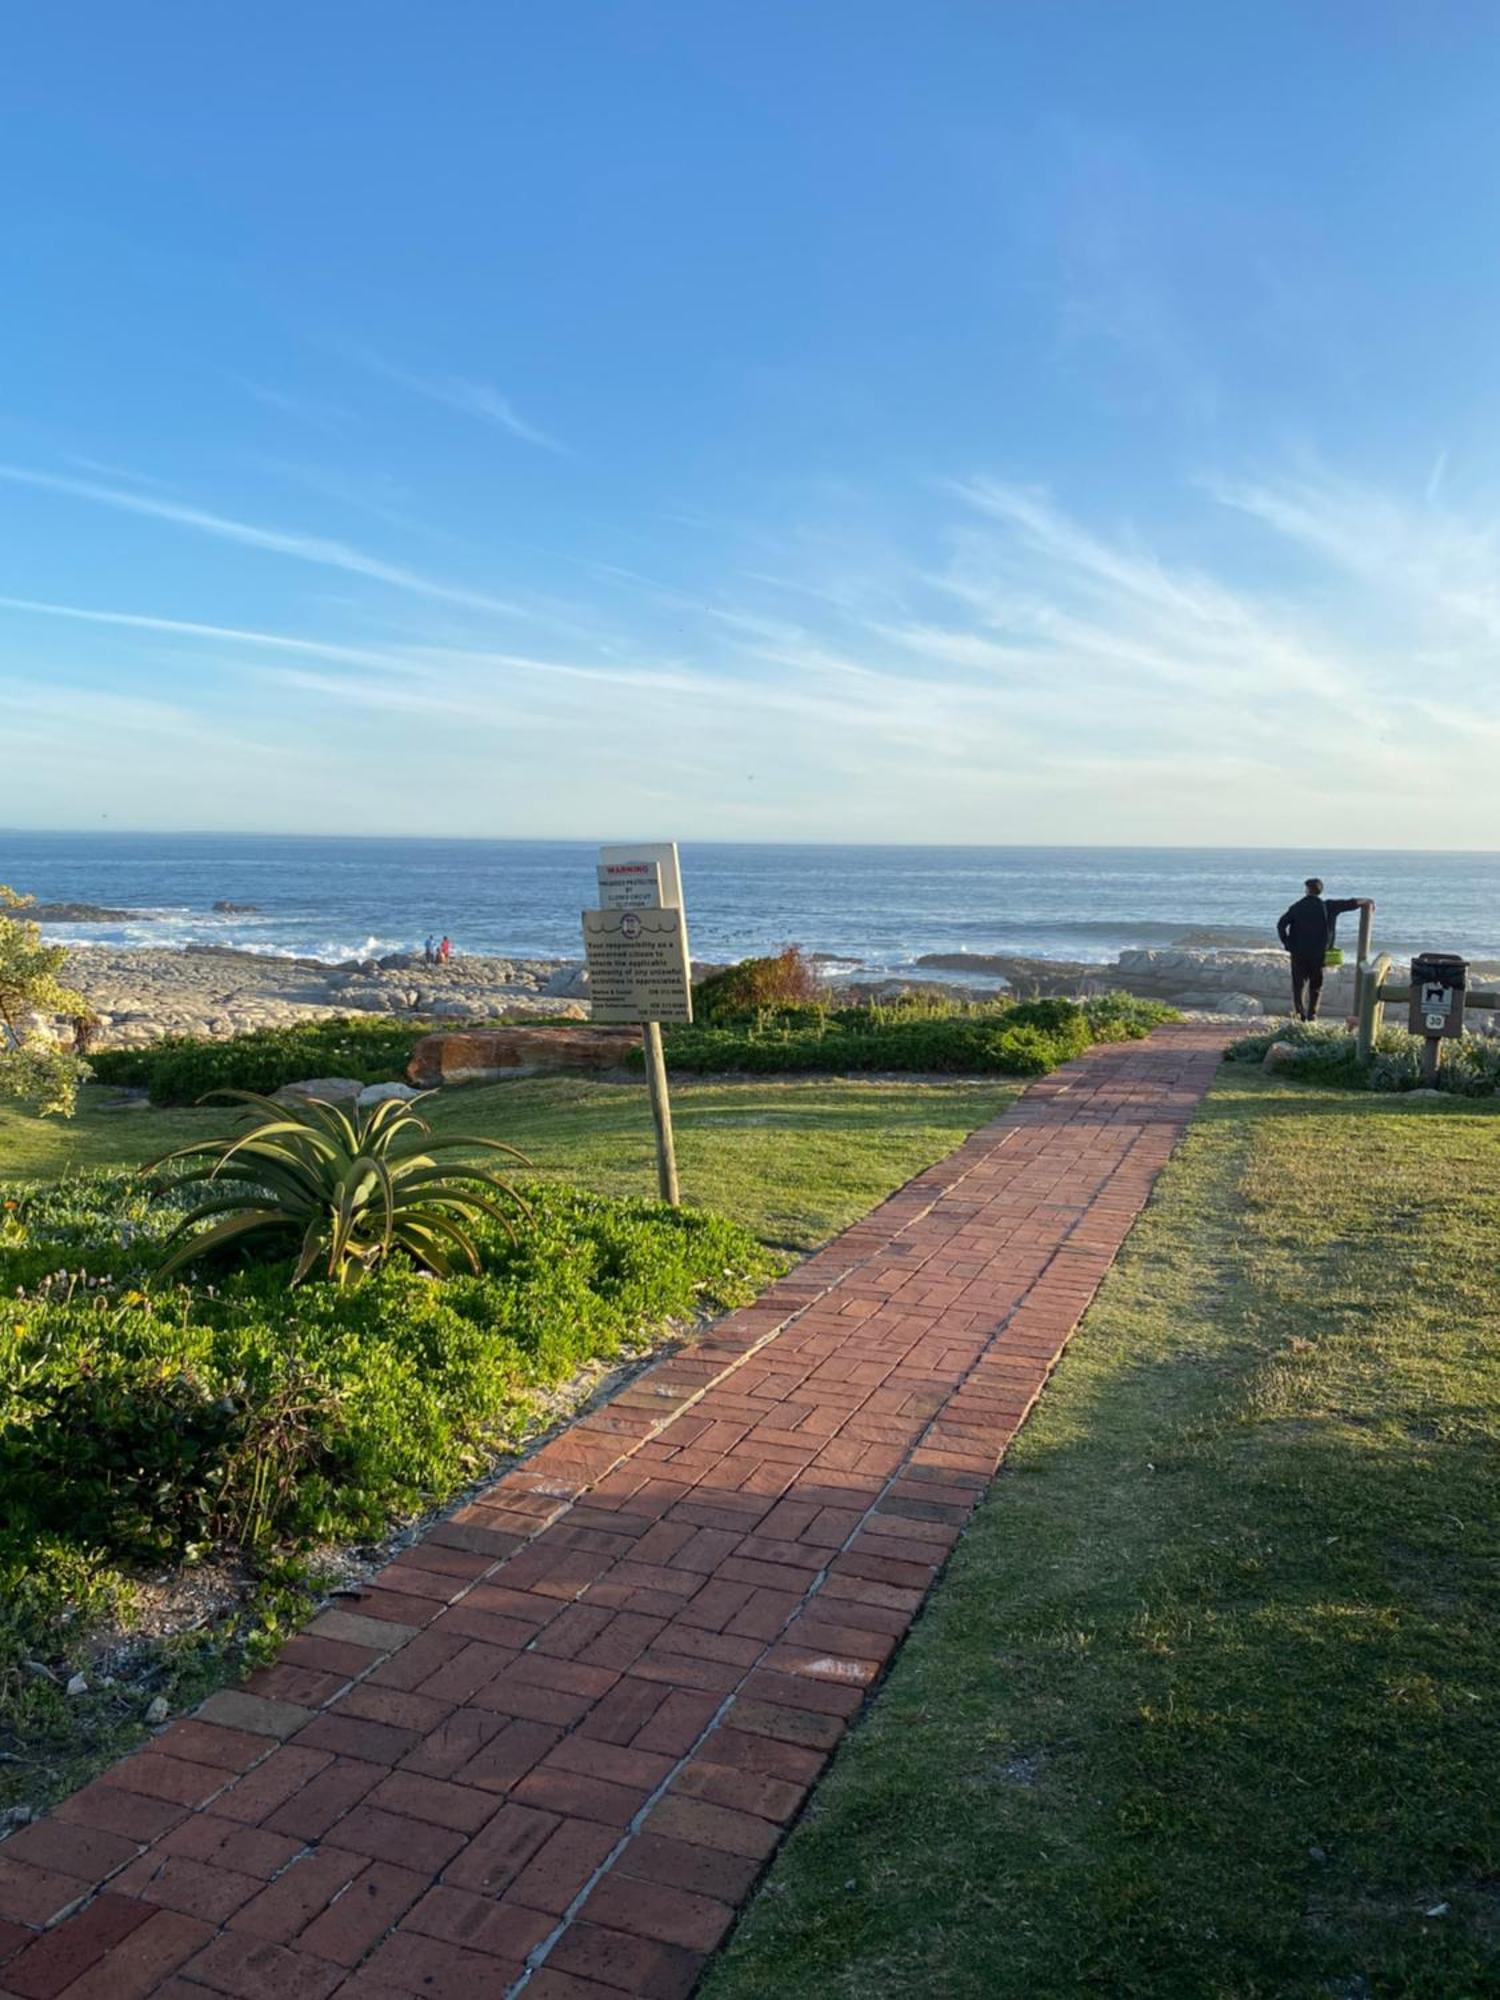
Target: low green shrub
[(372, 1048), (922, 1035), (1329, 1055), (147, 1424), (756, 985)]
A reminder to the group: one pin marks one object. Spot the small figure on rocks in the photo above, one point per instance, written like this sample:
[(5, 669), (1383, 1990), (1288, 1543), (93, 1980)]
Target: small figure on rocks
[(1306, 931), (445, 951), (429, 950)]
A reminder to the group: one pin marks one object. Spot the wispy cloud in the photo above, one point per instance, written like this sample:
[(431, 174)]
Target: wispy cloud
[(1049, 675), (1437, 567), (365, 493), (470, 399), (191, 628), (305, 409), (329, 554), (109, 471)]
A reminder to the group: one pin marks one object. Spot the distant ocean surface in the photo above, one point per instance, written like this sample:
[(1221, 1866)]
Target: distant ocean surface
[(878, 907)]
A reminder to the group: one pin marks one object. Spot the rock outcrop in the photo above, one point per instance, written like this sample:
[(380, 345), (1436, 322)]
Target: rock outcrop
[(215, 991), (492, 1055), (80, 913), (378, 1093), (340, 1090)]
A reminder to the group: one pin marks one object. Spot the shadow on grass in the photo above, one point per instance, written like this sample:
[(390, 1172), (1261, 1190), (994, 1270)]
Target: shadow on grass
[(1206, 1702)]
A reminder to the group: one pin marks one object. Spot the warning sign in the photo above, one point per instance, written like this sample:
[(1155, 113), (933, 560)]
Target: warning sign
[(630, 885)]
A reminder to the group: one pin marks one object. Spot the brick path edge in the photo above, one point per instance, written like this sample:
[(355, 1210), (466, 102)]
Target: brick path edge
[(551, 1747)]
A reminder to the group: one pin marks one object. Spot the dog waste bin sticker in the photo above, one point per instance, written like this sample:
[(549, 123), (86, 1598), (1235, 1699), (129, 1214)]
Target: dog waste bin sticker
[(638, 965)]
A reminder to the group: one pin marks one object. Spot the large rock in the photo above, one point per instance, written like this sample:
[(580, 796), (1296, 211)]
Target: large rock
[(569, 982), (1220, 1003), (490, 1055), (340, 1090), (377, 1093)]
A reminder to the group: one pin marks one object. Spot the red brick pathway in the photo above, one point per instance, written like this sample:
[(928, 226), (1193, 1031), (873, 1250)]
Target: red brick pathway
[(552, 1745)]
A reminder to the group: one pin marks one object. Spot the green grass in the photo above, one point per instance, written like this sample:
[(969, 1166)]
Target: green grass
[(1206, 1705), (794, 1162)]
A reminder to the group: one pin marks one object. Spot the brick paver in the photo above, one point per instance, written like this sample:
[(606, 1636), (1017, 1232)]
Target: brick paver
[(552, 1745)]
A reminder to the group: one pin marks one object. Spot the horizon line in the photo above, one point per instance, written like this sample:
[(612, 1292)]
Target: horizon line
[(617, 840)]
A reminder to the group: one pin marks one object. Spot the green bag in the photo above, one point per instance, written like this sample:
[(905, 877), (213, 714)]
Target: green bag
[(1333, 957)]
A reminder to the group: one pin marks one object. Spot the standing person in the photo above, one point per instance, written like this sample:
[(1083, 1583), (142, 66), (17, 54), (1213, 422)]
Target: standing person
[(1306, 931), (429, 950), (445, 951)]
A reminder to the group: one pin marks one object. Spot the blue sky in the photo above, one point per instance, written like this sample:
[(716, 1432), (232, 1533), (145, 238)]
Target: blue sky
[(974, 422)]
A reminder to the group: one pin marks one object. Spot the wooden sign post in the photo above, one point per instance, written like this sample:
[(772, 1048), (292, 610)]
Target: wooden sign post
[(661, 1114), (639, 969)]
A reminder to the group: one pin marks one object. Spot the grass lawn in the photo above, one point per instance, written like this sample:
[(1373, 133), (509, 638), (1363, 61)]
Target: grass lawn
[(792, 1161), (1206, 1704)]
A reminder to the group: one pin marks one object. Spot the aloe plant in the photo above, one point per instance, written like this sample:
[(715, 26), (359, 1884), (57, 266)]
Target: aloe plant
[(352, 1186)]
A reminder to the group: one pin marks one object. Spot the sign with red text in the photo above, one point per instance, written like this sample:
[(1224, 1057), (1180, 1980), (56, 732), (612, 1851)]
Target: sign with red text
[(661, 853), (630, 885)]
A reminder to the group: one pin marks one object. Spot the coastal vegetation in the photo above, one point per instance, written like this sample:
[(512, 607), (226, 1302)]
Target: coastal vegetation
[(753, 1018), (1312, 1052), (33, 1068), (919, 1034), (232, 1419), (181, 1069), (1204, 1706), (355, 1189), (787, 978)]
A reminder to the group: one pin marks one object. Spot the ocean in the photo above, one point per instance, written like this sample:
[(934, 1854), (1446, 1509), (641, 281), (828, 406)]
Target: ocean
[(880, 908)]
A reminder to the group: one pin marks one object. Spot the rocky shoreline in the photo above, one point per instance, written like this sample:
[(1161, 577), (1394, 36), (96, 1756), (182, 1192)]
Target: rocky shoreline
[(212, 991), (215, 991)]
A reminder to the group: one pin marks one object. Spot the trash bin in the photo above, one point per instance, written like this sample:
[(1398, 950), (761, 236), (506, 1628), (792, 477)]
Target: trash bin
[(1439, 980)]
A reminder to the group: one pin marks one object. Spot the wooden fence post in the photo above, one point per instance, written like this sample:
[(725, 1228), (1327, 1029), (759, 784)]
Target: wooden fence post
[(1362, 961), (1371, 1007)]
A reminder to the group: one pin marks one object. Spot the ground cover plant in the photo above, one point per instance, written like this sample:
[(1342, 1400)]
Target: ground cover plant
[(1204, 1708), (181, 1069), (1312, 1052), (920, 1034), (144, 1424)]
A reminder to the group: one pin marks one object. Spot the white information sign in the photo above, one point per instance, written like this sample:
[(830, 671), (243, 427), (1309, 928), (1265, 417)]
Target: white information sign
[(630, 885), (638, 966), (662, 852)]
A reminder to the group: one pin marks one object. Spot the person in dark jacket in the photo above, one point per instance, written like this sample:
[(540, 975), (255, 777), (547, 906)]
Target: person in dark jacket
[(1306, 931)]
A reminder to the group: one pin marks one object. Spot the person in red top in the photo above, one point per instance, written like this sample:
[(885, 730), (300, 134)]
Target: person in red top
[(445, 951)]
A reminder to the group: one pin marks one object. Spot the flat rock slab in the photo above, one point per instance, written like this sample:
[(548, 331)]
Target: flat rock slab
[(341, 1090), (492, 1054), (552, 1744)]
